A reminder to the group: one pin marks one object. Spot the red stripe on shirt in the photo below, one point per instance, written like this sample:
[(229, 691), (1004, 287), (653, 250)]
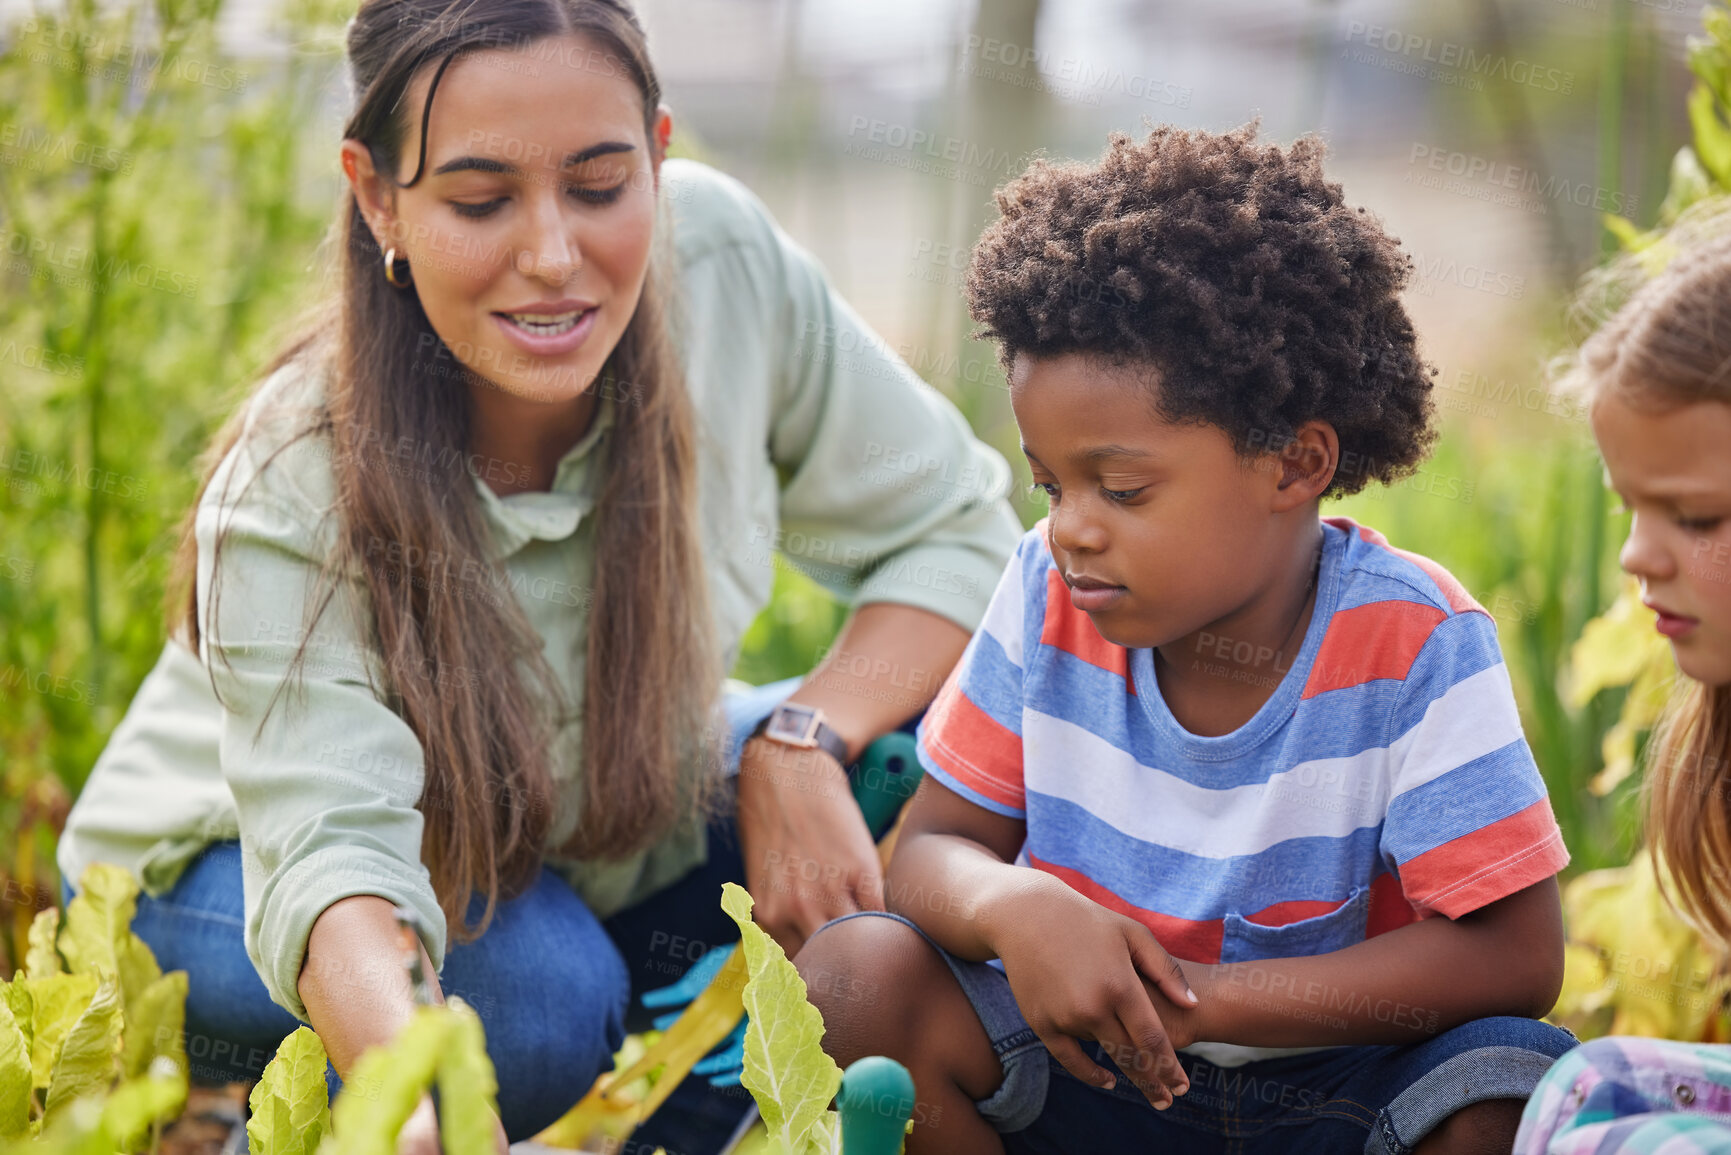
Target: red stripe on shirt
[(1071, 630), (1490, 863), (1389, 909), (978, 750), (1368, 642), (1182, 938), (1291, 911), (1453, 591)]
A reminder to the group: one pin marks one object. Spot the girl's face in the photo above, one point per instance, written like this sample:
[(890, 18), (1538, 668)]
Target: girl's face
[(528, 235), (1672, 469)]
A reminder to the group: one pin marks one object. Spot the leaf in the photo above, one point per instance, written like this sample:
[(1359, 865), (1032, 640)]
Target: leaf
[(1634, 967), (1627, 232), (1620, 647), (786, 1069), (87, 1058), (42, 960), (22, 1005), (77, 1130), (609, 1120), (825, 1137), (57, 1003), (1689, 185), (1710, 58), (386, 1084), (138, 969), (98, 918), (291, 1110), (1641, 710), (16, 1084), (1712, 138), (1615, 647), (468, 1087), (156, 1027), (98, 937), (128, 1113)]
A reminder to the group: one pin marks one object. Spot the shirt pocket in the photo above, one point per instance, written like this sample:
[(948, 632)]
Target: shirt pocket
[(1244, 941)]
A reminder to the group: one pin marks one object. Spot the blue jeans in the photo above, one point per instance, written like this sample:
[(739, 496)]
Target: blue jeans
[(555, 987), (1380, 1100)]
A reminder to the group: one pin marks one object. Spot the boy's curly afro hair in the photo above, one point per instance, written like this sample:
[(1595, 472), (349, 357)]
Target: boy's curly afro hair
[(1234, 269)]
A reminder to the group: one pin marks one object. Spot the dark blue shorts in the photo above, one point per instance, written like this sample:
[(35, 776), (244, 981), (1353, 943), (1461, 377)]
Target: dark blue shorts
[(1377, 1099)]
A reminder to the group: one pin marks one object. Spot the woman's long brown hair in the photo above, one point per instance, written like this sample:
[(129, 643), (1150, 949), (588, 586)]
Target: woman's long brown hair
[(464, 669), (1668, 344)]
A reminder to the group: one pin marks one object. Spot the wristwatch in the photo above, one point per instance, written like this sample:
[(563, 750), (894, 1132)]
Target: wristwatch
[(794, 725)]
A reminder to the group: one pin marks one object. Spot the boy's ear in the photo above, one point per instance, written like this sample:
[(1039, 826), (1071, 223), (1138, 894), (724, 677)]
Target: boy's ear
[(1307, 463)]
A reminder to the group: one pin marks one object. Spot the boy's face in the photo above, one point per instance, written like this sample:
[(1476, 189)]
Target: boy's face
[(1159, 530), (1673, 473)]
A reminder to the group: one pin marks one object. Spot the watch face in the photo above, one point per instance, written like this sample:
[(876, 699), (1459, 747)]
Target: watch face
[(792, 724)]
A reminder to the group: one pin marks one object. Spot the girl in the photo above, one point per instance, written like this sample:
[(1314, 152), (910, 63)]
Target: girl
[(469, 565), (1657, 376)]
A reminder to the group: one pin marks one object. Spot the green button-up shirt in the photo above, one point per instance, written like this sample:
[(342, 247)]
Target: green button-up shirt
[(815, 441)]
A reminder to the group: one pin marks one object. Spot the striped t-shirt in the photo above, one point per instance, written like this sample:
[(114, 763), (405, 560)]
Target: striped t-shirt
[(1385, 780)]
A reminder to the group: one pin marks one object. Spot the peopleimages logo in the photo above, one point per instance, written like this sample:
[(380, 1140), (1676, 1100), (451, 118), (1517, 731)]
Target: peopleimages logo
[(1485, 179), (1463, 57)]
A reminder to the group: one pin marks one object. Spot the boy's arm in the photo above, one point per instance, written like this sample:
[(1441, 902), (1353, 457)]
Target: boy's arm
[(953, 862), (1506, 958), (1078, 970)]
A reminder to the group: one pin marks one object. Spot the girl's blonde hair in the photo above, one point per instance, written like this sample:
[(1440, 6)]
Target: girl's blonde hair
[(1663, 341)]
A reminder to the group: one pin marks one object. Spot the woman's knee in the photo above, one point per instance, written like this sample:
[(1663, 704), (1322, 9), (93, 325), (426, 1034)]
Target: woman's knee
[(546, 975)]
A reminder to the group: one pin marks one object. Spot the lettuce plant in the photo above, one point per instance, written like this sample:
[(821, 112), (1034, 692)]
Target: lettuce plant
[(786, 1069), (441, 1045), (92, 1047)]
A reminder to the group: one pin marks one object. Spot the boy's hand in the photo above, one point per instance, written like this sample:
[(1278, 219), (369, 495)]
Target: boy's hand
[(1078, 970)]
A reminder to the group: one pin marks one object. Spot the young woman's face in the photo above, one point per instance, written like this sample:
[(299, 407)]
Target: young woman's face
[(1673, 472), (528, 235)]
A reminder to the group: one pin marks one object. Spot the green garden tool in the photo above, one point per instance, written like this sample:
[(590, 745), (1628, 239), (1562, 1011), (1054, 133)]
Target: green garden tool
[(875, 1104)]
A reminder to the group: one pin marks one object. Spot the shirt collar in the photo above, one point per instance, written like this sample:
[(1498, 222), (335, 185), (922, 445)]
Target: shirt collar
[(554, 515)]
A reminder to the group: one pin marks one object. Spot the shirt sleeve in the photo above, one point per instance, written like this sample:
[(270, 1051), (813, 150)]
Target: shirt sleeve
[(885, 493), (971, 738), (325, 779), (1469, 820)]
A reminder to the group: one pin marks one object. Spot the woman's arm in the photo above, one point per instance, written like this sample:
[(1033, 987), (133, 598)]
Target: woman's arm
[(357, 995), (885, 667), (883, 495), (808, 856), (353, 981), (325, 777)]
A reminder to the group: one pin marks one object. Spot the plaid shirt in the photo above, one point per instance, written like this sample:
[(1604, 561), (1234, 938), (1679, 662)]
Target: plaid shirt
[(1619, 1096)]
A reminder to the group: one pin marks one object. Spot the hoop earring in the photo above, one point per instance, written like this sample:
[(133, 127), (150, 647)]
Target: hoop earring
[(391, 270)]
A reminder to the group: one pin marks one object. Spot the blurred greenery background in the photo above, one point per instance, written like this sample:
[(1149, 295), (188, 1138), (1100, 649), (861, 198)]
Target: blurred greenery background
[(167, 175)]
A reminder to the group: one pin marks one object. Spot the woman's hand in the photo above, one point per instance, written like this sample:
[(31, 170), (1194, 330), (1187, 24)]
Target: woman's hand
[(1078, 971), (420, 1135), (808, 855)]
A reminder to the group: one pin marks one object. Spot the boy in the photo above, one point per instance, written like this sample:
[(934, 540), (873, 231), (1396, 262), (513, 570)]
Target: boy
[(1207, 740)]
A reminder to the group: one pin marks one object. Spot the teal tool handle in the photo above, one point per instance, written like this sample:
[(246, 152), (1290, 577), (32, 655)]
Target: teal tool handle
[(876, 1101), (887, 775)]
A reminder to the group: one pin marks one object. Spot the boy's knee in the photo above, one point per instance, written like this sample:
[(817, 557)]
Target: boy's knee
[(860, 973)]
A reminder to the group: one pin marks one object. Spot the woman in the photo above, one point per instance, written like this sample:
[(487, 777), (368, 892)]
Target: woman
[(470, 563)]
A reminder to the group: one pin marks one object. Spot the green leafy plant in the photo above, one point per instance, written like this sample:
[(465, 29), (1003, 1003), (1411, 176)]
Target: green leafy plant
[(92, 1046), (786, 1069), (441, 1045)]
